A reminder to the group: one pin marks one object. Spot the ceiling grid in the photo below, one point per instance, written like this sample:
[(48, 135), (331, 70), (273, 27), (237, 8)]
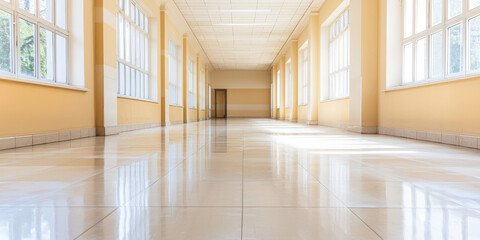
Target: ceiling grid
[(242, 34)]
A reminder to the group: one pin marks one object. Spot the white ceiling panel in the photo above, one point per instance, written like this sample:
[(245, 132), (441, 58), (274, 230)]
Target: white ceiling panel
[(242, 34)]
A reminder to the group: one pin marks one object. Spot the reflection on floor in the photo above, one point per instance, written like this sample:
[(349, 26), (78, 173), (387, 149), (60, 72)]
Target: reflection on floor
[(240, 178)]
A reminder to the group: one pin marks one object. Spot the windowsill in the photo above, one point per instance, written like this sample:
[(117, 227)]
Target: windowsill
[(303, 105), (192, 108), (335, 99), (136, 99), (432, 82), (45, 84)]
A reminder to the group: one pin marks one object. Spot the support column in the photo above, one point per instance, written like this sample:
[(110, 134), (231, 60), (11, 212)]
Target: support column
[(164, 99), (206, 93), (282, 88), (294, 90), (364, 73), (185, 78), (274, 81), (197, 94), (314, 49), (105, 67)]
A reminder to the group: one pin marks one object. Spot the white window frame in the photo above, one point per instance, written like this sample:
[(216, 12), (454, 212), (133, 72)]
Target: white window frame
[(16, 12), (288, 83), (278, 89), (192, 84), (202, 89), (138, 83), (443, 27), (339, 57), (304, 74), (175, 79)]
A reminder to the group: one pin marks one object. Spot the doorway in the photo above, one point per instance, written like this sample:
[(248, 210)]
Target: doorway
[(220, 103)]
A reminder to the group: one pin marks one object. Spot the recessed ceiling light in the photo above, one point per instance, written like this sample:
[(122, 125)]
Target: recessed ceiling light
[(242, 24), (241, 10)]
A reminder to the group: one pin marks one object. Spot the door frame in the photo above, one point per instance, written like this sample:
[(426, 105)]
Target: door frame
[(221, 90)]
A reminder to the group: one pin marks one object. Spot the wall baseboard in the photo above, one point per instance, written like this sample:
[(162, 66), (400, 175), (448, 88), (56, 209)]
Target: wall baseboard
[(43, 138), (469, 141), (312, 122)]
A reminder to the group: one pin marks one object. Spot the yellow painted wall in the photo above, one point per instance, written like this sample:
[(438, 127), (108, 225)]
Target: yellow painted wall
[(32, 109), (302, 113), (202, 115), (192, 115), (334, 111), (248, 102), (136, 111), (248, 92), (176, 114)]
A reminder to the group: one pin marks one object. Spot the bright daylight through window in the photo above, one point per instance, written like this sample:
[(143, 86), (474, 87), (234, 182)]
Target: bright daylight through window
[(441, 39), (133, 37), (34, 40)]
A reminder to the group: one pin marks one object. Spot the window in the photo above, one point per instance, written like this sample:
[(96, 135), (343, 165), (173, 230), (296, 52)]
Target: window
[(303, 73), (192, 84), (133, 49), (288, 80), (278, 89), (174, 74), (339, 57), (202, 90), (42, 40), (441, 39)]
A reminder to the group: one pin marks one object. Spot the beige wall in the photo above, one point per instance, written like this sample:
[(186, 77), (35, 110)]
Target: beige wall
[(248, 92)]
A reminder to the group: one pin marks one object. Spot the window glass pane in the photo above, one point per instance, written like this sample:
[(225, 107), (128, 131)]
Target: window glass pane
[(138, 82), (474, 42), (436, 50), (455, 49), (420, 60), (147, 87), (172, 92), (121, 79), (454, 8), (27, 48), (407, 63), (121, 38), (27, 5), (5, 41), (46, 10), (60, 13), (437, 12), (121, 4), (128, 83), (474, 3), (133, 81), (46, 54), (61, 51), (127, 41), (132, 44), (421, 16), (407, 18)]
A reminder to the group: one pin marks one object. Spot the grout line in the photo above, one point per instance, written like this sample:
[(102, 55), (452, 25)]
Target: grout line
[(364, 222), (88, 229)]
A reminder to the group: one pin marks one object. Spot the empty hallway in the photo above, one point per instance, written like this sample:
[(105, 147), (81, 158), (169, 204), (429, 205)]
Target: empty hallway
[(240, 179), (240, 119)]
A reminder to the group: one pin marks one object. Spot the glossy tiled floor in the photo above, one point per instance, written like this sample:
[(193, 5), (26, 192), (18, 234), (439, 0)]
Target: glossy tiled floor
[(240, 179)]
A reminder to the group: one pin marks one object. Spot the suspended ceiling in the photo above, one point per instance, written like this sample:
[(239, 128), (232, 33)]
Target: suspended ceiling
[(242, 34)]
